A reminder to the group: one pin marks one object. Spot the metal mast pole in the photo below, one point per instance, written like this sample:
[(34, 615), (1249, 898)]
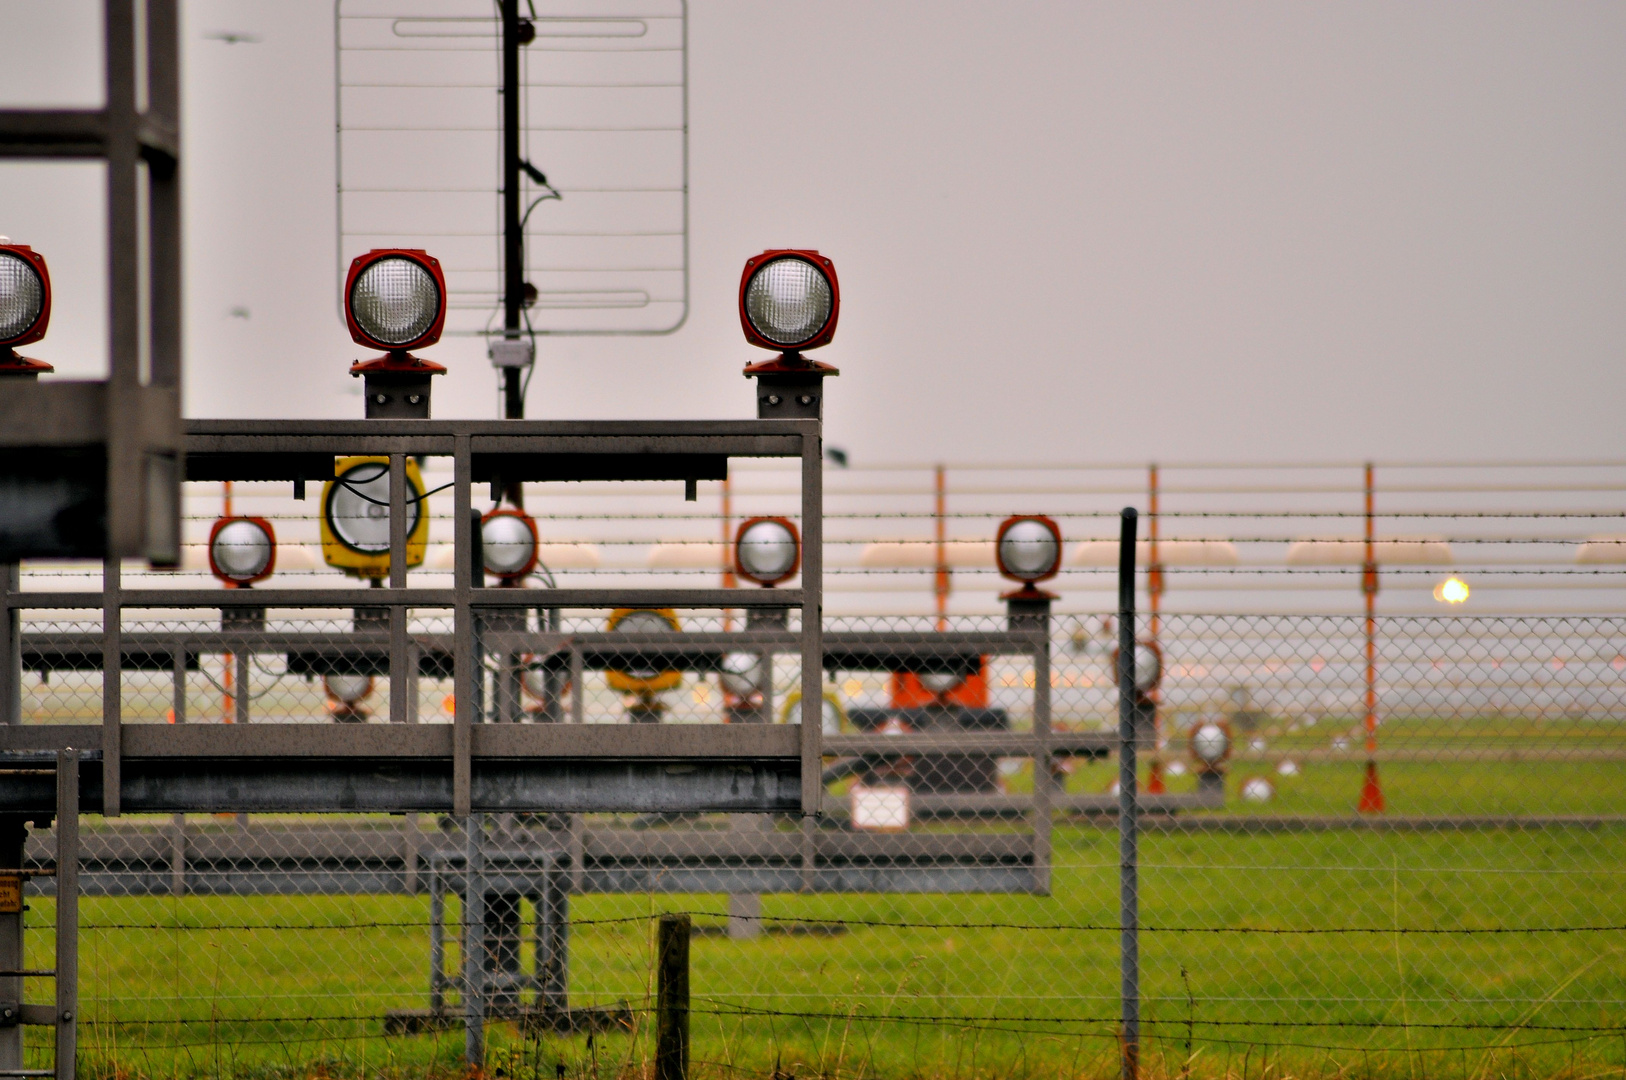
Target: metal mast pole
[(513, 240), (1128, 838)]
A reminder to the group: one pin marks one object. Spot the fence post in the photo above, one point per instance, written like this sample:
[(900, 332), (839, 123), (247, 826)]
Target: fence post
[(474, 942), (67, 913), (672, 997), (1128, 855)]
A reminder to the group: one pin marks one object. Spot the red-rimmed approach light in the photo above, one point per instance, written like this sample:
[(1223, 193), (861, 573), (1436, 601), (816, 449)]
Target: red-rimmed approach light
[(789, 300), (1148, 666), (1028, 548), (25, 306), (242, 550), (1211, 744), (395, 299), (743, 675), (508, 544), (767, 550)]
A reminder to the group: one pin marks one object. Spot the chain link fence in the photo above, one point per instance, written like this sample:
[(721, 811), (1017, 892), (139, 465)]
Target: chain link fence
[(953, 912)]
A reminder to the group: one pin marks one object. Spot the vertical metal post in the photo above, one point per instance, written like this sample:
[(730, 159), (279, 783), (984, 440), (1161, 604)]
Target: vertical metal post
[(474, 944), (13, 841), (672, 997), (940, 581), (513, 246), (553, 944), (240, 699), (178, 685), (11, 647), (400, 680), (1128, 839), (812, 620), (67, 912), (177, 855), (164, 194), (437, 940), (464, 668), (112, 684), (125, 292), (1044, 780)]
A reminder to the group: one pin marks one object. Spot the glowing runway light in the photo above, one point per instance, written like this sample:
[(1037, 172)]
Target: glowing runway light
[(1453, 590)]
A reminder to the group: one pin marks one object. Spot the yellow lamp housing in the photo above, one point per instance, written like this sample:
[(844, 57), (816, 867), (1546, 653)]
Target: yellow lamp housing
[(833, 715), (643, 621), (355, 518)]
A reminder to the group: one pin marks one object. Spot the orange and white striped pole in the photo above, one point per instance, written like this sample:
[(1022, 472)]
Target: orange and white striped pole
[(1371, 801)]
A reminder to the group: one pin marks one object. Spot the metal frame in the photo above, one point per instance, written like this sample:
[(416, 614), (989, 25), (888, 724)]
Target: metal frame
[(469, 766), (135, 416)]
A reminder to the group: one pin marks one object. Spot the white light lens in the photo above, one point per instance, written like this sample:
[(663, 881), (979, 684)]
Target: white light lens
[(22, 295), (1210, 744), (644, 623), (347, 688), (394, 300), (506, 544), (535, 682), (1028, 550), (1147, 667), (741, 674), (830, 717), (1258, 790), (358, 508), (788, 301), (1288, 767), (767, 550), (940, 682), (241, 550)]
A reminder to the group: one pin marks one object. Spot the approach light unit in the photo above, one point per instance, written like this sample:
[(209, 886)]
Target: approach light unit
[(1148, 667), (355, 521), (242, 550), (940, 682), (395, 300), (25, 307), (832, 716), (743, 675), (643, 679), (508, 544), (767, 550), (345, 694), (1027, 549), (1211, 745), (789, 302)]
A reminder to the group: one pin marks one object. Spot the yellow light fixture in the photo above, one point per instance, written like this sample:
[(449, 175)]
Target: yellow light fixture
[(645, 678), (355, 521), (1453, 590)]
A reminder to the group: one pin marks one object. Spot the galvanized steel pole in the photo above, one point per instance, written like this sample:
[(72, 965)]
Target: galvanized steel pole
[(1128, 856)]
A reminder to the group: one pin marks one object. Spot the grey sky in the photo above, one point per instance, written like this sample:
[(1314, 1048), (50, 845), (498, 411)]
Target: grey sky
[(1064, 231)]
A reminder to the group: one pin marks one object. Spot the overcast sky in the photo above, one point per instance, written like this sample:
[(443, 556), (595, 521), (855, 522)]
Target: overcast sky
[(1064, 231)]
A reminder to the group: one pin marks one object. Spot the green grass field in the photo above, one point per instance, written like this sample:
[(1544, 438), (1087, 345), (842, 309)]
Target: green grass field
[(943, 999), (297, 986)]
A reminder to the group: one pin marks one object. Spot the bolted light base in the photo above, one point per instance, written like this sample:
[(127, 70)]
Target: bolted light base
[(1028, 609), (790, 387), (397, 386)]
